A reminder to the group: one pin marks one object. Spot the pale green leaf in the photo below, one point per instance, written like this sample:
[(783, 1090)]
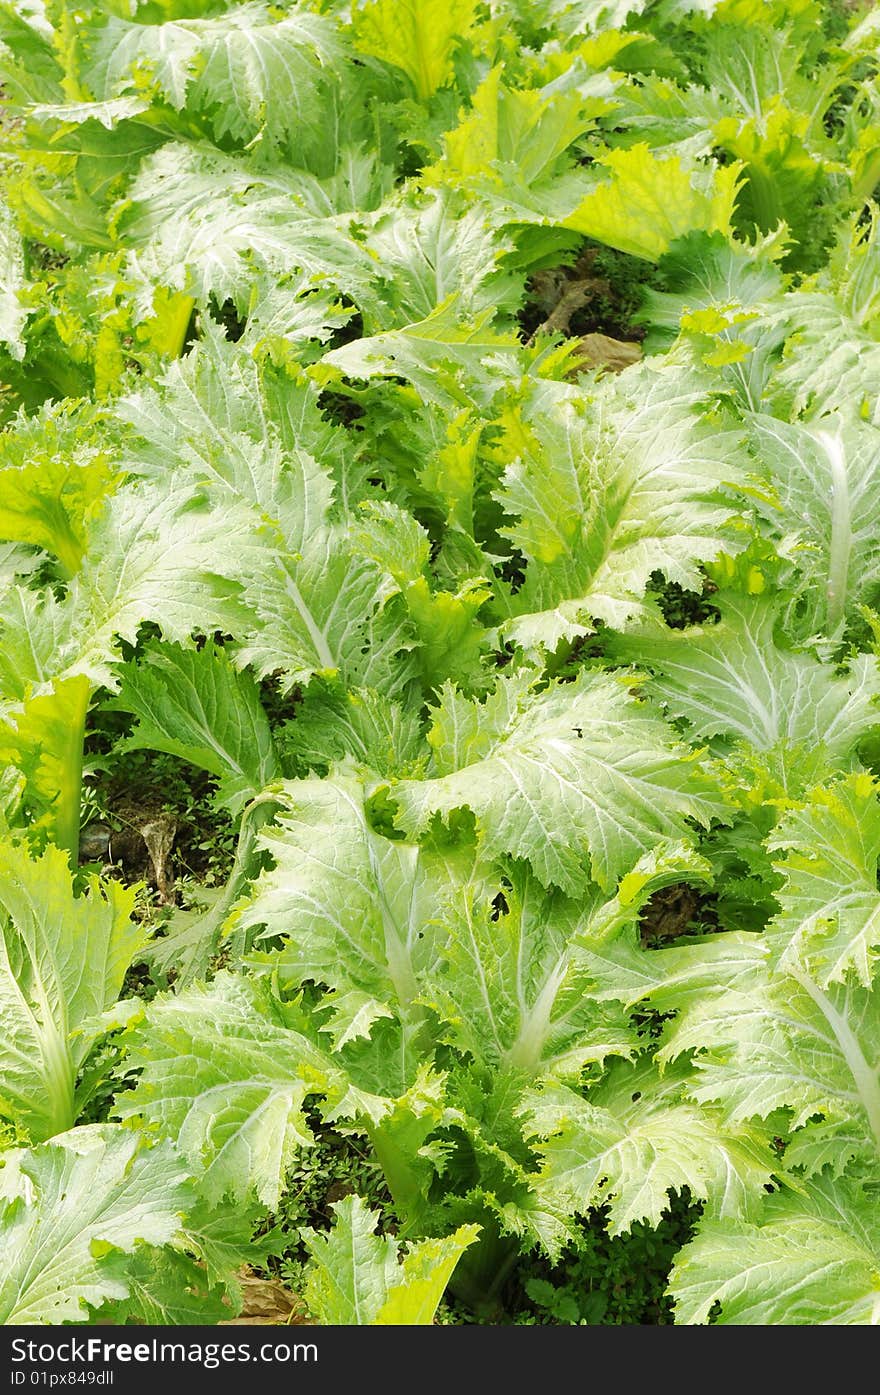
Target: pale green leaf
[(448, 334), (252, 72), (578, 779), (34, 628), (207, 404), (13, 311), (824, 487), (650, 200), (770, 1039), (434, 248), (108, 113), (506, 986), (354, 1277), (330, 612), (72, 1211), (738, 679), (829, 921), (607, 488), (193, 704), (42, 738), (358, 911), (159, 554), (636, 1137), (813, 1260), (206, 223), (227, 1080), (62, 963), (417, 36), (376, 732)]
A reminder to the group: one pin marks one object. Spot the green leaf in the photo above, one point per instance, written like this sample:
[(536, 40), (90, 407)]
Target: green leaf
[(812, 1261), (578, 779), (72, 1212), (159, 554), (252, 72), (831, 352), (612, 962), (726, 297), (226, 1239), (376, 732), (359, 912), (636, 1137), (829, 923), (31, 70), (48, 500), (42, 738), (451, 638), (518, 135), (209, 224), (62, 963), (193, 704), (449, 334), (771, 1039), (854, 268), (738, 679), (55, 471), (608, 488), (354, 1276), (13, 312), (824, 485), (223, 1077), (507, 987), (650, 200), (417, 36), (429, 249), (166, 1288)]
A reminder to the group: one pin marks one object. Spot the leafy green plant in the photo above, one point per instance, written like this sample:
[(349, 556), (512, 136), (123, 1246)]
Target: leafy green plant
[(540, 699)]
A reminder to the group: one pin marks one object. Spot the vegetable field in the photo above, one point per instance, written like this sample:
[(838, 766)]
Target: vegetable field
[(439, 683)]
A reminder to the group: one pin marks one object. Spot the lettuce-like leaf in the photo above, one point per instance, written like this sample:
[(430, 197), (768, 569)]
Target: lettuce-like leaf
[(810, 1261), (226, 1079), (251, 73), (354, 1277), (359, 912), (649, 201), (607, 489), (206, 223), (637, 1136), (158, 554), (578, 779), (507, 984), (73, 1214), (417, 36), (777, 1041), (13, 313), (48, 501), (192, 703), (62, 962), (42, 738), (824, 489), (829, 921), (737, 678)]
